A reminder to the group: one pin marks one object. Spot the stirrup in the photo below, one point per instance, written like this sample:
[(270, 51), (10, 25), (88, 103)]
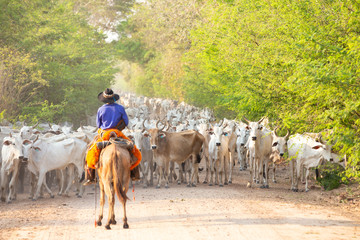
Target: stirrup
[(89, 182)]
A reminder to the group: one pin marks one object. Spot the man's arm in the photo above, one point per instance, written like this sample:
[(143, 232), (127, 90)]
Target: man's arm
[(124, 116)]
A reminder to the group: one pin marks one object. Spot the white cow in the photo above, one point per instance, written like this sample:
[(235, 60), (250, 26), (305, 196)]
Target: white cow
[(44, 156), (219, 155), (260, 148), (146, 165), (243, 134), (305, 152), (279, 148), (12, 154), (203, 129)]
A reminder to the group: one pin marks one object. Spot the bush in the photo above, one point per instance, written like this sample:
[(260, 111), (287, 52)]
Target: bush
[(331, 176)]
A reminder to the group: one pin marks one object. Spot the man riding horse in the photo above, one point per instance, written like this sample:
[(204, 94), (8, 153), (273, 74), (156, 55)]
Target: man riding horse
[(111, 118)]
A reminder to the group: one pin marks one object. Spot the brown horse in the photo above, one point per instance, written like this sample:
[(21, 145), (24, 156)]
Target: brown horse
[(114, 176)]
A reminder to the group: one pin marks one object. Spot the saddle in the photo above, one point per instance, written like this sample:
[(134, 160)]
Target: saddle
[(124, 143)]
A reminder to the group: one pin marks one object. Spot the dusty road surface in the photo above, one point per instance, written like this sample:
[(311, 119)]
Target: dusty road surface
[(202, 212)]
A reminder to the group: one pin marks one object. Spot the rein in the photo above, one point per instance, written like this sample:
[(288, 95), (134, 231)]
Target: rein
[(95, 200)]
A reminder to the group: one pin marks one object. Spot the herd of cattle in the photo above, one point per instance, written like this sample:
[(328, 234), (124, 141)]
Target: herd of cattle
[(173, 138)]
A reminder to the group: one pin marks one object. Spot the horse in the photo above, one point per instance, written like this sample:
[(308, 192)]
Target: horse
[(114, 176)]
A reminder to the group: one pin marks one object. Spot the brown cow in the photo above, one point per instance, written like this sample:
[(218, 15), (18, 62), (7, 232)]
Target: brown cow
[(176, 147)]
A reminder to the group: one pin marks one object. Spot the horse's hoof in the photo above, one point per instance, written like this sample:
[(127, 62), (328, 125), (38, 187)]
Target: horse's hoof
[(108, 227), (98, 223), (210, 184), (205, 182), (126, 226), (113, 222), (230, 181)]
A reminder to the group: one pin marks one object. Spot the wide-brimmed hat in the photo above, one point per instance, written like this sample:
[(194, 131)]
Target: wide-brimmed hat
[(108, 96)]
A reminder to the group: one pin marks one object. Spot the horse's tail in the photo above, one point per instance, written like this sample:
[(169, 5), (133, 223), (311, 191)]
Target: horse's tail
[(117, 178)]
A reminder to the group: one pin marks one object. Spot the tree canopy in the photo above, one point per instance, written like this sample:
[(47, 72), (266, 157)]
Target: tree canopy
[(296, 62)]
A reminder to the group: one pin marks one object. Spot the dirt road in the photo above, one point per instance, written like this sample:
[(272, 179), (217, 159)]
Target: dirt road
[(202, 212)]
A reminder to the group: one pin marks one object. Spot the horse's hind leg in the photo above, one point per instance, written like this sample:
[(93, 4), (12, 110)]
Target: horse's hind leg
[(102, 202), (126, 225), (109, 190)]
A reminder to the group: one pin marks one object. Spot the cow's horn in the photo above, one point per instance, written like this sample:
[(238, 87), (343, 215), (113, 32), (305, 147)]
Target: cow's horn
[(50, 125), (36, 125), (261, 120), (221, 122), (246, 120), (157, 122), (168, 126), (275, 131), (287, 134), (163, 127), (143, 124)]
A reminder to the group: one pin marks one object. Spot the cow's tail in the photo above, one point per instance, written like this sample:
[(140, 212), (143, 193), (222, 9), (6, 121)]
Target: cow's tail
[(117, 172)]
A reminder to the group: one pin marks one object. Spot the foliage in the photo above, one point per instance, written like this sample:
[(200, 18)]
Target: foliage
[(66, 61), (296, 62), (331, 176)]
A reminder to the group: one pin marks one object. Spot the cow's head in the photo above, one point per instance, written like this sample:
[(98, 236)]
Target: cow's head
[(218, 133), (27, 131), (243, 134), (279, 144), (323, 150), (12, 148), (255, 128), (29, 147), (157, 137)]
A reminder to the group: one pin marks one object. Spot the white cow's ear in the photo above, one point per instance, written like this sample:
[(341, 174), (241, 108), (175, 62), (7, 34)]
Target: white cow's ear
[(146, 134), (317, 147), (37, 149), (162, 135), (26, 142), (7, 143)]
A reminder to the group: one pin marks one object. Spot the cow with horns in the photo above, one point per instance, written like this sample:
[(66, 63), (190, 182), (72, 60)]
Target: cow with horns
[(174, 147), (260, 149)]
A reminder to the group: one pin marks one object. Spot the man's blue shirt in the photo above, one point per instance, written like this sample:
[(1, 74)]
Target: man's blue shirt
[(109, 115)]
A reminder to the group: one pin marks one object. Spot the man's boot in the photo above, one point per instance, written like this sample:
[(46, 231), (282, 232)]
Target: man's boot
[(135, 173), (90, 177)]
